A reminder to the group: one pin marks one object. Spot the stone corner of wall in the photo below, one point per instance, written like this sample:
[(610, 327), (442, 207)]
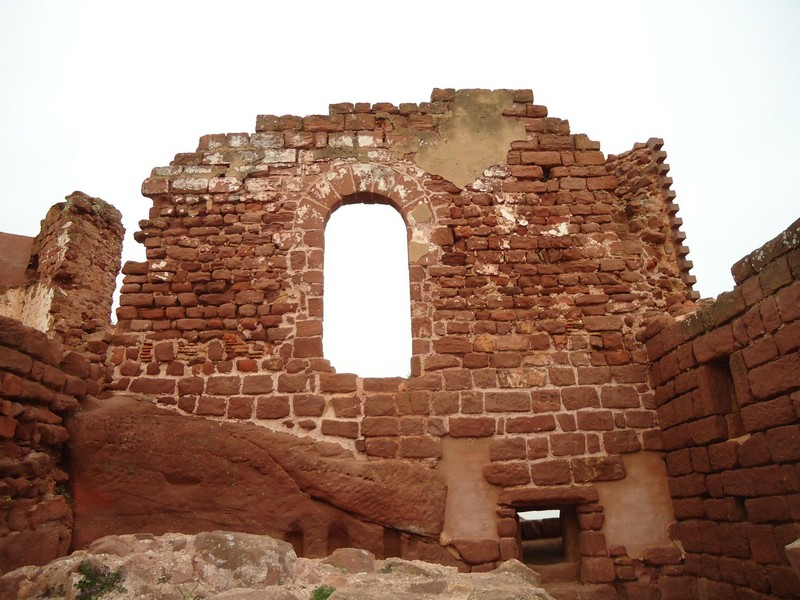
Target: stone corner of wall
[(752, 264)]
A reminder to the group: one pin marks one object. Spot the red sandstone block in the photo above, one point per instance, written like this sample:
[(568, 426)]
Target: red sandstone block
[(775, 377), (568, 444), (763, 548), (380, 426), (679, 462), (575, 398), (299, 382), (592, 543), (138, 300), (507, 401), (551, 472), (15, 361), (784, 581), (383, 447), (709, 429), (594, 375), (768, 414), (382, 384), (784, 443), (723, 455), (380, 406), (532, 424), (190, 385), (223, 385), (429, 381), (606, 182), (452, 345), (308, 405), (308, 347), (597, 570), (621, 441), (472, 426), (338, 383), (457, 379), (272, 407), (257, 384), (788, 300), (600, 468), (618, 396), (330, 123), (345, 429), (207, 405), (769, 509), (153, 386), (590, 420), (421, 447), (507, 473), (240, 407), (347, 407), (787, 338), (715, 344), (507, 448), (544, 159)]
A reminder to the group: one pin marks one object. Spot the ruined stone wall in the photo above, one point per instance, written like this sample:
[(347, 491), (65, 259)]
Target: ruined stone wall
[(530, 283), (70, 273), (728, 395), (39, 385)]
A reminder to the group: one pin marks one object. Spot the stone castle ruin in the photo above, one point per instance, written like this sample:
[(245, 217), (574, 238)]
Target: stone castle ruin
[(561, 362)]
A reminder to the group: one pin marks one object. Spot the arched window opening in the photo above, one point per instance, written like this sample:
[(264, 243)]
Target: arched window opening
[(367, 304)]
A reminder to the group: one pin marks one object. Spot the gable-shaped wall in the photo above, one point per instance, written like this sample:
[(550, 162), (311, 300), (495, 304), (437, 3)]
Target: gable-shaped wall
[(533, 263)]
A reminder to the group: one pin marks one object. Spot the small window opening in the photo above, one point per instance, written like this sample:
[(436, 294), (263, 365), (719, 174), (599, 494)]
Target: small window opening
[(367, 304), (726, 388), (549, 542), (295, 537), (392, 543), (338, 537)]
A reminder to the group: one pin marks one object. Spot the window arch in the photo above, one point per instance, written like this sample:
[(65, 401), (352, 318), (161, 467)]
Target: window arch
[(367, 305)]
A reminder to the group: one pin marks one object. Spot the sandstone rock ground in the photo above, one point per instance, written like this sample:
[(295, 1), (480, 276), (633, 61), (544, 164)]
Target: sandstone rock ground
[(221, 565)]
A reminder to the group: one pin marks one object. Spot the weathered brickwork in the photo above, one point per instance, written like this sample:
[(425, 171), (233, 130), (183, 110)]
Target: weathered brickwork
[(529, 286), (727, 381), (40, 384), (69, 275), (558, 353)]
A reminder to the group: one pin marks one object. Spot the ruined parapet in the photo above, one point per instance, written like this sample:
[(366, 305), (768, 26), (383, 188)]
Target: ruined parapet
[(40, 384), (727, 390), (650, 213), (70, 271)]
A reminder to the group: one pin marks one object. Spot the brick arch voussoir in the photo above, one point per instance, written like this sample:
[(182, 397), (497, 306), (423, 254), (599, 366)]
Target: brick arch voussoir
[(367, 181)]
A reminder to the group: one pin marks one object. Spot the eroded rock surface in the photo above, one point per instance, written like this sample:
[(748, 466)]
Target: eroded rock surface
[(141, 468), (221, 565)]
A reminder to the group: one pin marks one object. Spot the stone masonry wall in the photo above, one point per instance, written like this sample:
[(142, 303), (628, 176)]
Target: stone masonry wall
[(728, 395), (39, 385), (530, 283), (72, 274)]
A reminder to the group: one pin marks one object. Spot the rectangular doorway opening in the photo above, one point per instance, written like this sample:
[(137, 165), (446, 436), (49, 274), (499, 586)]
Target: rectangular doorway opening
[(549, 542)]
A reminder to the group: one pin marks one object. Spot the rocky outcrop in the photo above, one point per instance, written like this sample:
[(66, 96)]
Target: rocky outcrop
[(137, 467), (221, 565)]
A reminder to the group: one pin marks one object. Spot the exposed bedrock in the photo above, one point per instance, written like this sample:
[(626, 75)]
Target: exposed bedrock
[(139, 468)]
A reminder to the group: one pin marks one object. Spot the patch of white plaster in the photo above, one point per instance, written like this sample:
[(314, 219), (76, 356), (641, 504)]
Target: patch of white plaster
[(12, 303), (36, 307), (559, 230)]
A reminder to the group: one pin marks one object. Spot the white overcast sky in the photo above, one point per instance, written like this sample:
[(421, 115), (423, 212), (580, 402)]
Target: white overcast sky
[(93, 94)]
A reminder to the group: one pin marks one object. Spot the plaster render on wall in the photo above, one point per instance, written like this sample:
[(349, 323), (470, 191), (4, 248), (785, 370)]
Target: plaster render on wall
[(474, 136)]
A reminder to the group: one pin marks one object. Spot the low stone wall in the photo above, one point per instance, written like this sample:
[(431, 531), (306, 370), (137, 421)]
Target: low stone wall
[(39, 384), (727, 385)]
